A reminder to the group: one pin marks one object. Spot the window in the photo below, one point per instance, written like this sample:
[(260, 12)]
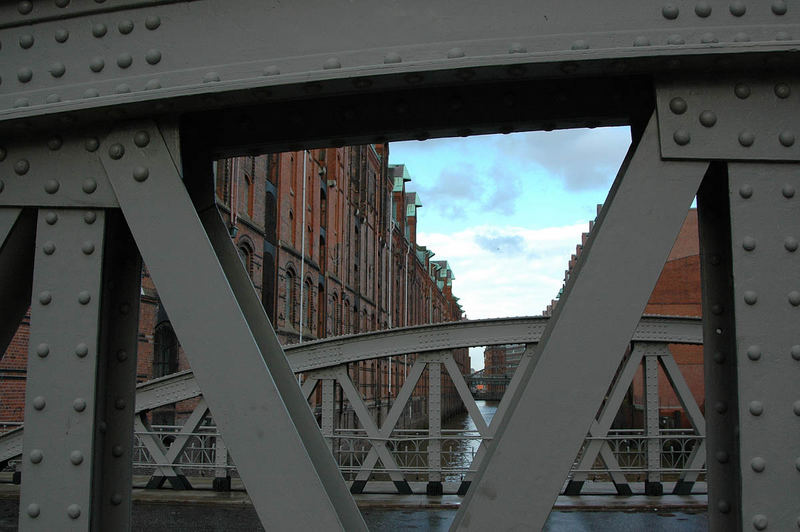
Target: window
[(222, 180), (289, 315), (165, 350), (247, 195), (307, 310), (246, 256)]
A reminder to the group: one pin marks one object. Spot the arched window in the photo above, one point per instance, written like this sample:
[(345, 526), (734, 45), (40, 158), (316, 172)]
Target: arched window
[(289, 315), (308, 314), (246, 255), (165, 350), (347, 317)]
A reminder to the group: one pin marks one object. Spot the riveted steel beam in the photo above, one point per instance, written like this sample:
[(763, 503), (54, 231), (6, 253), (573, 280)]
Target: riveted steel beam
[(17, 235), (592, 325), (58, 467), (766, 302), (741, 117), (152, 57), (146, 182)]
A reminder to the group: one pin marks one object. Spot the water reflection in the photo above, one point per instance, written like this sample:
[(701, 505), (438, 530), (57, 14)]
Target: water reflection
[(457, 453)]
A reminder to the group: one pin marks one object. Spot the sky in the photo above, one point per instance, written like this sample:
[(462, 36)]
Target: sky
[(506, 211)]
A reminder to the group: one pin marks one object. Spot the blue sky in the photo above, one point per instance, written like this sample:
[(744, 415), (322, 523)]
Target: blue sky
[(508, 210)]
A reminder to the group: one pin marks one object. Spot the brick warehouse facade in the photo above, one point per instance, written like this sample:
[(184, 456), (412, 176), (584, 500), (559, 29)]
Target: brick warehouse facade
[(345, 262)]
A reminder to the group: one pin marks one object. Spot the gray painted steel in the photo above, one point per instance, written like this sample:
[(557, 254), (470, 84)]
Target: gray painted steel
[(719, 361), (766, 289), (651, 423), (616, 273), (64, 340), (146, 182)]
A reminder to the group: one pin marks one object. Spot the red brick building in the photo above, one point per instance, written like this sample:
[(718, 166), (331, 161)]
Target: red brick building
[(328, 237)]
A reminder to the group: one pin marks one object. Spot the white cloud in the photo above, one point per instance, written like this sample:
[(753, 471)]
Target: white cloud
[(506, 271)]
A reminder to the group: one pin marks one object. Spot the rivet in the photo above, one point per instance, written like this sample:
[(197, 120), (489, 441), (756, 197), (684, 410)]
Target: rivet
[(140, 173), (786, 138), (702, 9), (102, 427), (211, 77), (515, 48), (22, 102), (681, 137), (641, 40), (61, 35), (795, 352), (796, 408), (36, 456), (125, 27), (675, 39), (39, 402), (721, 407), (152, 57), (122, 88), (716, 309), (119, 404), (747, 138), (97, 64), (84, 297), (45, 297), (708, 118), (670, 12), (42, 350), (26, 41), (116, 499), (779, 7), (782, 36), (719, 357), (76, 457), (741, 37), (89, 217), (81, 350), (758, 464), (455, 53), (124, 60), (74, 511), (746, 191), (760, 521), (49, 248), (723, 506), (99, 30), (787, 191), (33, 510), (55, 143), (708, 38), (25, 7), (782, 90), (141, 139), (754, 352), (741, 91), (332, 63), (756, 408), (722, 457), (89, 185), (750, 297), (51, 218), (794, 298), (117, 450), (116, 151), (22, 166), (51, 186), (79, 405), (738, 8), (152, 85), (749, 243), (87, 248), (271, 71), (152, 22), (580, 44), (92, 144), (122, 355)]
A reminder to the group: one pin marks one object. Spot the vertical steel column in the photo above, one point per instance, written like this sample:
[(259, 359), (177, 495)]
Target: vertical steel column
[(765, 227), (719, 353), (652, 485), (116, 376), (61, 389), (434, 486), (328, 401)]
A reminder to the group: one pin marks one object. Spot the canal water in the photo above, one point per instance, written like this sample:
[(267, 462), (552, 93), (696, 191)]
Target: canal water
[(458, 453)]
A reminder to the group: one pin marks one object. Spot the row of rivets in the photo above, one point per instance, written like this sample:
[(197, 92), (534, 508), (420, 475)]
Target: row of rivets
[(737, 8), (96, 65)]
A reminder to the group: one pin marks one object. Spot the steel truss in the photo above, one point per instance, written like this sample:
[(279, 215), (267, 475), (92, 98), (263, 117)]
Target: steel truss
[(85, 171)]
